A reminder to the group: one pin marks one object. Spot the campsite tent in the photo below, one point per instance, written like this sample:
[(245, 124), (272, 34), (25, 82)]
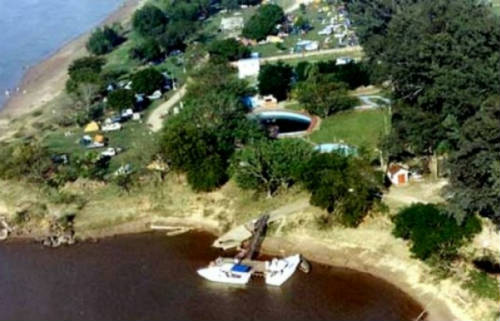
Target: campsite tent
[(91, 127)]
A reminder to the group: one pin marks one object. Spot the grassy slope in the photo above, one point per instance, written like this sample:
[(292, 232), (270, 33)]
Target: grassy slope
[(359, 128)]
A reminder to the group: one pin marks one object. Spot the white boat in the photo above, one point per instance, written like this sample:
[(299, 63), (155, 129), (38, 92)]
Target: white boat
[(224, 272), (279, 270)]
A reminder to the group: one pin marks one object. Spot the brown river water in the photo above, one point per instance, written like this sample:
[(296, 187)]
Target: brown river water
[(153, 277)]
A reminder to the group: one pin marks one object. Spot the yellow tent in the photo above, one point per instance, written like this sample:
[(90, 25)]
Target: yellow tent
[(99, 139), (91, 127)]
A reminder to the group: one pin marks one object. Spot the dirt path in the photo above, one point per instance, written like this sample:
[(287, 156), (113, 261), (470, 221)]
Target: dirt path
[(347, 50), (155, 119)]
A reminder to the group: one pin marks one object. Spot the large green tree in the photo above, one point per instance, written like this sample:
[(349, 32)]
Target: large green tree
[(229, 49), (275, 79), (263, 22), (475, 167), (323, 97), (147, 81), (270, 164), (149, 21), (443, 60), (342, 185), (103, 40)]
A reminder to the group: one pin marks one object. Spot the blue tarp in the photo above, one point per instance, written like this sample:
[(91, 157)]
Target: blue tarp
[(240, 268)]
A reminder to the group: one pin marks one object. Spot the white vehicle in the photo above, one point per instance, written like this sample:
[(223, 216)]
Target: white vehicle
[(225, 272), (280, 270), (111, 127), (110, 151)]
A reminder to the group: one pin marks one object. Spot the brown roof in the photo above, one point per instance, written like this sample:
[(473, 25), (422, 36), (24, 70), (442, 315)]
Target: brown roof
[(394, 168)]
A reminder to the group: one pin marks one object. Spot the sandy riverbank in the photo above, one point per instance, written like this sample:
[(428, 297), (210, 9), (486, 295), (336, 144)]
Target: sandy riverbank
[(44, 81)]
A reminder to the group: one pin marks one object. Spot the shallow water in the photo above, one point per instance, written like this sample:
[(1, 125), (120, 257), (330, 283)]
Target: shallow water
[(30, 30), (152, 277)]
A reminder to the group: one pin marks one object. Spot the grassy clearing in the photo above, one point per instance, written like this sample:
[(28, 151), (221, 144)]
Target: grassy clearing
[(138, 144), (496, 6), (358, 128)]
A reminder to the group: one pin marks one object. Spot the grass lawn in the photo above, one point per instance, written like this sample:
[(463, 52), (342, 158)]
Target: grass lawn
[(358, 128), (496, 6), (138, 144)]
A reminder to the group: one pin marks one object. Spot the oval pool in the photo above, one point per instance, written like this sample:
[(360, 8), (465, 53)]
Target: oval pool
[(285, 123)]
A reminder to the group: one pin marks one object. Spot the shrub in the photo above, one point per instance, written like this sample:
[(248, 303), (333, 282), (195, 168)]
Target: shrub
[(103, 40), (208, 175), (147, 81), (483, 285), (432, 231)]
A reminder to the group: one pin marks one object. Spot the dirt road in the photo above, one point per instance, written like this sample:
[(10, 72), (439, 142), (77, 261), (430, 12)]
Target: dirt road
[(155, 119)]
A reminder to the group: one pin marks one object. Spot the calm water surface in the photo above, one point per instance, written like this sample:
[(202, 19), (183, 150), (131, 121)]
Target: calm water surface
[(152, 277), (31, 30)]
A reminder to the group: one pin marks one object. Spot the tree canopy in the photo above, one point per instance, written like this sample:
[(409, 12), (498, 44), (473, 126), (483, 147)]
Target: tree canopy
[(149, 21), (270, 164), (229, 49), (275, 79), (147, 81), (323, 97), (342, 185), (263, 22), (103, 40), (121, 99), (432, 231)]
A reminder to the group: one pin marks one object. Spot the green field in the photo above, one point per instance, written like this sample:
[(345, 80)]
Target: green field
[(138, 144), (496, 6), (358, 128)]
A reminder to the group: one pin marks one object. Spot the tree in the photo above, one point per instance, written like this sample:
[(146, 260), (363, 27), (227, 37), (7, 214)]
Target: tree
[(84, 66), (25, 160), (474, 168), (229, 49), (353, 74), (202, 137), (174, 37), (263, 22), (103, 40), (147, 81), (345, 186), (121, 99), (323, 97), (147, 50), (149, 21), (208, 175), (270, 164), (432, 231), (275, 79), (436, 70)]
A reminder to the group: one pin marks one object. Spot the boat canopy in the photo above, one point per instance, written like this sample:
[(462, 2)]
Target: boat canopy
[(240, 268)]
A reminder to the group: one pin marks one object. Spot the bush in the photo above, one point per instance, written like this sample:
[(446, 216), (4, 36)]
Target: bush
[(229, 49), (432, 231), (148, 50), (149, 21), (353, 74), (121, 99), (345, 186), (275, 80), (263, 22), (147, 81), (103, 41), (84, 66)]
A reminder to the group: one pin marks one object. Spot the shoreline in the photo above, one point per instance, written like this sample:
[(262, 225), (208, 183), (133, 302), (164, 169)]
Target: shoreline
[(46, 79), (312, 249)]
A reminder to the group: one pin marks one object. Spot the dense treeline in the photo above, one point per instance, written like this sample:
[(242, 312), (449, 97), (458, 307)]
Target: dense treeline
[(442, 59)]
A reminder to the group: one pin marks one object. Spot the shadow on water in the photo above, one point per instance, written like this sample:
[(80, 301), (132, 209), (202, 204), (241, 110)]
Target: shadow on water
[(152, 277)]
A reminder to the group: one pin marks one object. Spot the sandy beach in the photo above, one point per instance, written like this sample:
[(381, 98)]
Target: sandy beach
[(44, 81)]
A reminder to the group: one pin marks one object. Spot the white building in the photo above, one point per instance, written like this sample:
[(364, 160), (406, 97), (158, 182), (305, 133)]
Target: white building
[(248, 67), (397, 174)]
